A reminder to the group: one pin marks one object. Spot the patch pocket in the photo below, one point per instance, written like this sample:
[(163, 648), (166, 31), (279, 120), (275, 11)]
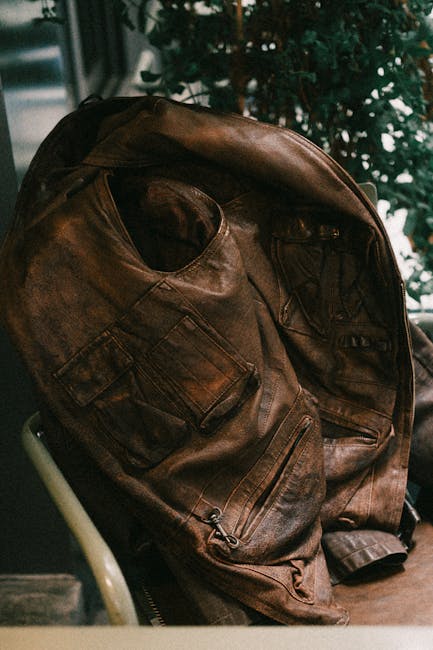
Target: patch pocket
[(209, 380), (131, 408), (93, 369)]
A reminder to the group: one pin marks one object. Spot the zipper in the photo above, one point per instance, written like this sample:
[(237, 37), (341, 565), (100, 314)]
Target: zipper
[(215, 516), (149, 609)]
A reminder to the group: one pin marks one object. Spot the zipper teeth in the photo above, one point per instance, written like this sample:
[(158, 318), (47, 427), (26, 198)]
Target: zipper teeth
[(151, 610)]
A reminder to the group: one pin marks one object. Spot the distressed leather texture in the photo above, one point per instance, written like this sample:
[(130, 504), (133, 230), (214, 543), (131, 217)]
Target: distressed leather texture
[(212, 313)]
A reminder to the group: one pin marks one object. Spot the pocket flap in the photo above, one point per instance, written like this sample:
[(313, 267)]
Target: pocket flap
[(94, 368), (208, 377)]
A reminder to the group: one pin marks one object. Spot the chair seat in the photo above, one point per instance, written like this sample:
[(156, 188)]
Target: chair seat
[(404, 597)]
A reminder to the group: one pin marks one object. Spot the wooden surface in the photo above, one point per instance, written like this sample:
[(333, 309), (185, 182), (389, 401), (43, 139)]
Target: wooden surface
[(403, 598)]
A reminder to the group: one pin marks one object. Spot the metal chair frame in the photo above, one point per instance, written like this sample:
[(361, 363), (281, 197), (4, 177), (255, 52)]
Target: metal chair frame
[(104, 566)]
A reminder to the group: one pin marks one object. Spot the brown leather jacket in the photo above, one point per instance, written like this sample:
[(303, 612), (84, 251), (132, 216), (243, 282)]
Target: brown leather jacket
[(210, 306)]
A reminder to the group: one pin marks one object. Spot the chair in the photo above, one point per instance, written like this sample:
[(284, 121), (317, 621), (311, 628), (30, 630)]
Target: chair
[(108, 575)]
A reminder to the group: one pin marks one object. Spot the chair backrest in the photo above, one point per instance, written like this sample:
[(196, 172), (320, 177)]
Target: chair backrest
[(108, 575), (370, 190)]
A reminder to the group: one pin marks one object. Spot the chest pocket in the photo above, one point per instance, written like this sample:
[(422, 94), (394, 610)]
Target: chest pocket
[(194, 366), (150, 399)]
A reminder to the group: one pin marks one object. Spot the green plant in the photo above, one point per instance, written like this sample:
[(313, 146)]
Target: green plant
[(354, 76)]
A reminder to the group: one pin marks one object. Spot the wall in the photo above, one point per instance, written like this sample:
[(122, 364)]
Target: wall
[(33, 538)]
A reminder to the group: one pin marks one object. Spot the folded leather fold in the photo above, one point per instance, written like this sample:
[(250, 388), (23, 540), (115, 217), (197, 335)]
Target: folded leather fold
[(350, 552)]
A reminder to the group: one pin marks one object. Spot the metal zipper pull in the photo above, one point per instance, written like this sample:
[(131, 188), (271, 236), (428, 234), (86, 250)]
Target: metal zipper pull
[(214, 518)]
